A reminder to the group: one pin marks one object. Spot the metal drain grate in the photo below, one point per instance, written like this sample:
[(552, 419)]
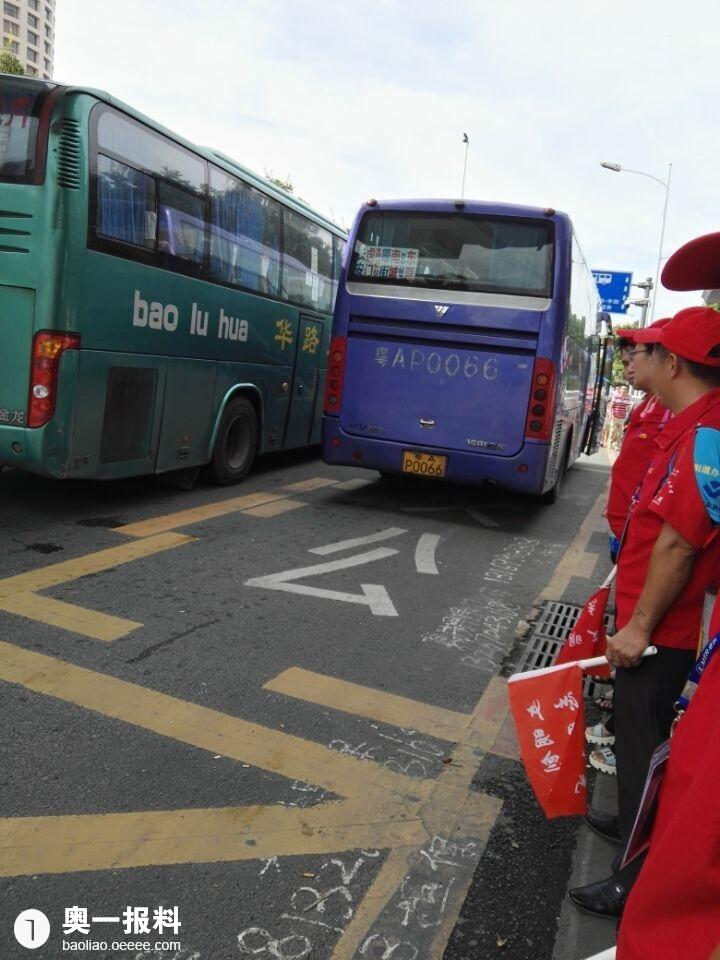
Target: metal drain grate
[(548, 634)]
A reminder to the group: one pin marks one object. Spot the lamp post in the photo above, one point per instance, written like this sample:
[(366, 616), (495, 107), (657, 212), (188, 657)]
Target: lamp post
[(617, 168)]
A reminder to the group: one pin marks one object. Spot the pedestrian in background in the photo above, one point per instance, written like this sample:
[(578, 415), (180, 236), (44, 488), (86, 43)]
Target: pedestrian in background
[(619, 408)]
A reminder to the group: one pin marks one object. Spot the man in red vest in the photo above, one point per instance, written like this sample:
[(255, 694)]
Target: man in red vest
[(646, 420), (669, 557)]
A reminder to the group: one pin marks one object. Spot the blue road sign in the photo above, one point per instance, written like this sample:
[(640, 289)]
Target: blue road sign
[(614, 289)]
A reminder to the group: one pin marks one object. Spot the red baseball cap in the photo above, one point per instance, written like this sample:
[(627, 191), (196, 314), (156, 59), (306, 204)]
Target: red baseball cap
[(692, 333), (630, 333), (695, 266)]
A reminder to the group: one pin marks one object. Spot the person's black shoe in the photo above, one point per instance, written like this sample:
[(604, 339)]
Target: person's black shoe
[(604, 825), (606, 898)]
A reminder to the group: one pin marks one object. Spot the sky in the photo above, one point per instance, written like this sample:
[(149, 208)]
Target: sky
[(371, 99)]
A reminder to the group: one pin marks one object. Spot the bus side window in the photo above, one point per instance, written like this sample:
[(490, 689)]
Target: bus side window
[(338, 250), (125, 203), (244, 235), (181, 230), (307, 263)]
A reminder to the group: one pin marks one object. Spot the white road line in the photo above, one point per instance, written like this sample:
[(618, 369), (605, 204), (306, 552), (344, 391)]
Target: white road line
[(373, 595), (481, 518), (425, 553), (358, 541)]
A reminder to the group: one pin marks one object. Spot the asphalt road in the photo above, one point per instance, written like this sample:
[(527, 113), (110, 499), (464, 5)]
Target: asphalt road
[(277, 708)]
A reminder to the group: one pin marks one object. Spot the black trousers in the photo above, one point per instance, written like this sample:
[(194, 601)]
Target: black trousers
[(644, 699)]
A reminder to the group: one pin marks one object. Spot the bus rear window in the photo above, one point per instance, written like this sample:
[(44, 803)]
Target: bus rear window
[(455, 251), (20, 105)]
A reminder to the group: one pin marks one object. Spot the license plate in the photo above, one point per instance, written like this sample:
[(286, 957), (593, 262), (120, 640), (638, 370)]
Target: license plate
[(423, 464)]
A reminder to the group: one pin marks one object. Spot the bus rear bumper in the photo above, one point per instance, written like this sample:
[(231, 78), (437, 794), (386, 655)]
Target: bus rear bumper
[(524, 472), (35, 451)]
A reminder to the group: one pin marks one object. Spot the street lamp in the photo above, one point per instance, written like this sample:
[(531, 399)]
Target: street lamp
[(617, 168)]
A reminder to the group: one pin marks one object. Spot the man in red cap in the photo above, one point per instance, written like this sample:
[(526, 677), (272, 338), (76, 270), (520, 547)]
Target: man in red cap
[(669, 557), (673, 908), (646, 421)]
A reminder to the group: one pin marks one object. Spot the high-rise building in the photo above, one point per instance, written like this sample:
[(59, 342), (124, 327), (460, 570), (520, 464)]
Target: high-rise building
[(29, 31)]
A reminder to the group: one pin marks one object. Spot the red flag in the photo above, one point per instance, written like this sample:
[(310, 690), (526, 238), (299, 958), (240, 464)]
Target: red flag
[(588, 638), (549, 714)]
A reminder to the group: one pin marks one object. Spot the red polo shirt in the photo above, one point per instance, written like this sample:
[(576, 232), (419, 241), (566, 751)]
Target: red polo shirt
[(673, 911), (637, 451), (675, 491)]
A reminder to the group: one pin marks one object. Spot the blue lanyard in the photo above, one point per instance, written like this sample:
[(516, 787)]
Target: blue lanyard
[(695, 675)]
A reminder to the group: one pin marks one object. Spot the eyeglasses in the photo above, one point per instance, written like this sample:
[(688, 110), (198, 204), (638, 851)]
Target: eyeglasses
[(633, 353)]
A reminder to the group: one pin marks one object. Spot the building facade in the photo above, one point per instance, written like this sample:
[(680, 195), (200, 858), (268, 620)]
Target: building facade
[(29, 31)]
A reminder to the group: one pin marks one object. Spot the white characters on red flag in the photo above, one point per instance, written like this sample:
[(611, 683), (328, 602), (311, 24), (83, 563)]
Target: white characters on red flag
[(587, 637), (554, 753)]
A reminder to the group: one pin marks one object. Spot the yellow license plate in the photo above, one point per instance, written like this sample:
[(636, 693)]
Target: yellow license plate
[(423, 464)]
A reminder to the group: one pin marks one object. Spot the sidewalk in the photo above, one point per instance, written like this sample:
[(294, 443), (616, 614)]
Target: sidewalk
[(579, 934)]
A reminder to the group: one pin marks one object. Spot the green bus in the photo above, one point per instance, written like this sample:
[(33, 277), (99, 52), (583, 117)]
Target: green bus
[(162, 308)]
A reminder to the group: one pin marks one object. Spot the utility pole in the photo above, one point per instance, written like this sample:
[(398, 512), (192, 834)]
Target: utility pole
[(645, 301)]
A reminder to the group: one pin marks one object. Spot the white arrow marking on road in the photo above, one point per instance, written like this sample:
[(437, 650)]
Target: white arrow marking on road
[(425, 553), (358, 541), (374, 595)]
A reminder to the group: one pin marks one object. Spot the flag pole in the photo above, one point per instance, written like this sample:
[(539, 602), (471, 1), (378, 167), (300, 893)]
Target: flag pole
[(583, 664)]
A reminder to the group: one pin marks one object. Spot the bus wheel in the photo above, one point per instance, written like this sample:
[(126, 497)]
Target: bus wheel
[(236, 443), (553, 494)]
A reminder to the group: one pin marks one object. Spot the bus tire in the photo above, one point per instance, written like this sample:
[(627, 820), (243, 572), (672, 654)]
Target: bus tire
[(236, 443), (553, 494)]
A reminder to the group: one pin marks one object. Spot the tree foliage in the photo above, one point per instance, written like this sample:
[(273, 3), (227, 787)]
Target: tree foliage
[(285, 184), (9, 63)]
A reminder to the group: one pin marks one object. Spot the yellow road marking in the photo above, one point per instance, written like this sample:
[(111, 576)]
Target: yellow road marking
[(18, 594), (356, 484), (575, 562), (275, 508), (67, 844), (57, 573), (68, 616), (304, 486), (207, 511), (389, 878), (366, 702), (219, 733), (219, 508)]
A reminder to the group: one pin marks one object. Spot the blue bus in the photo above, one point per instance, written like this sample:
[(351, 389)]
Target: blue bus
[(465, 346)]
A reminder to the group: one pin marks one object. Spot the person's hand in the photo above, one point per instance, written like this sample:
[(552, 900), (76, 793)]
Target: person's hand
[(627, 646)]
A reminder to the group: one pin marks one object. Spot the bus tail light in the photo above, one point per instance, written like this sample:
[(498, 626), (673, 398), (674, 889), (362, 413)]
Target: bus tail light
[(46, 351), (335, 374), (541, 408)]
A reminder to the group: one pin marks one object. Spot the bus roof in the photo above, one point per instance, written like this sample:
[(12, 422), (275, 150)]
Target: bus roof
[(213, 156), (467, 206)]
